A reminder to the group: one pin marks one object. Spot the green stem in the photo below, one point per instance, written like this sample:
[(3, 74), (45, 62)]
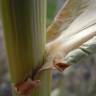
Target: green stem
[(24, 25)]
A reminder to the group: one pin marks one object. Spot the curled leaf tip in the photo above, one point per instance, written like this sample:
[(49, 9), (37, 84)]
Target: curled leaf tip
[(60, 65)]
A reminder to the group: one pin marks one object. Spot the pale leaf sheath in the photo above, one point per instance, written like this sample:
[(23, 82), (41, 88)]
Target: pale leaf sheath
[(70, 10), (80, 53)]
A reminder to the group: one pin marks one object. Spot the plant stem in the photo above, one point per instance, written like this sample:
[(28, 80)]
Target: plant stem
[(24, 25)]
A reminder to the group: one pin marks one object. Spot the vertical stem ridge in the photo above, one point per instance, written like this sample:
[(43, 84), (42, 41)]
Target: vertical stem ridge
[(24, 25)]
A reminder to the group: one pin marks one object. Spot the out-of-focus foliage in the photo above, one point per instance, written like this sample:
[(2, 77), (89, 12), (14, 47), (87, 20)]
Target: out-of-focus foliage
[(80, 81), (5, 88), (51, 10)]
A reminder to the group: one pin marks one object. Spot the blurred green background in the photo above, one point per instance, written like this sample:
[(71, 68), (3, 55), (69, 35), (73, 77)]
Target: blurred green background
[(51, 10)]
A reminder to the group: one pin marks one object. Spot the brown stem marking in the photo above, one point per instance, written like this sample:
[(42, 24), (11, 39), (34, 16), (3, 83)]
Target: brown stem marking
[(26, 86)]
